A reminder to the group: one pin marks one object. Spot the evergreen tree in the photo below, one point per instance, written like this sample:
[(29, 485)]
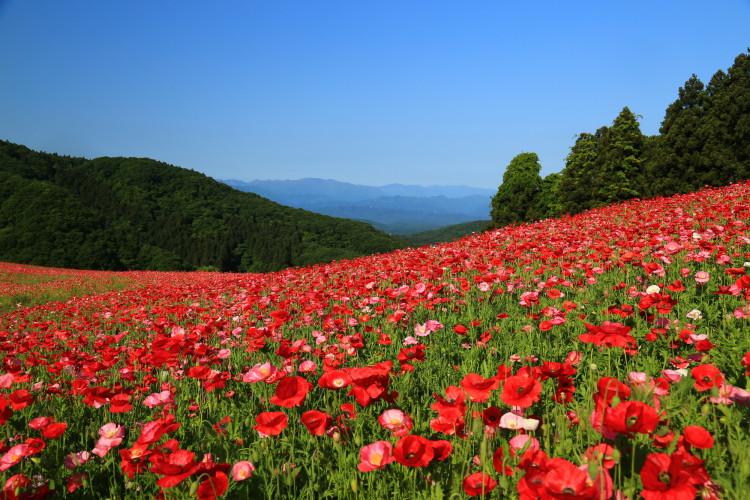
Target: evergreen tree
[(679, 155), (517, 193), (575, 179), (728, 124), (620, 168), (605, 167)]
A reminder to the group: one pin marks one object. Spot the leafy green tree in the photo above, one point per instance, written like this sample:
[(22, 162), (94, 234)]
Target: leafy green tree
[(516, 195), (547, 202)]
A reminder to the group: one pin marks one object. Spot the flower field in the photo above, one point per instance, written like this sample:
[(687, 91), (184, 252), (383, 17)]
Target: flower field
[(22, 285), (604, 355)]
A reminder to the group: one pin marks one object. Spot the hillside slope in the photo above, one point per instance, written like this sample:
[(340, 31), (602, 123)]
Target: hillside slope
[(137, 213)]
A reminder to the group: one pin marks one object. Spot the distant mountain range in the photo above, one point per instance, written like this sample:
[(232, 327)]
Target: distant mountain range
[(395, 208)]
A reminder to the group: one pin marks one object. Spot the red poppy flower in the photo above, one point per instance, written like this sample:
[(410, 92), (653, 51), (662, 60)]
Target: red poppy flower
[(521, 390), (552, 369), (564, 480), (609, 334), (707, 377), (317, 422), (20, 399), (270, 423), (491, 416), (120, 403), (698, 436), (175, 467), (478, 483), (609, 388), (200, 372), (665, 478), (134, 460), (75, 482), (662, 301), (442, 449), (334, 379), (478, 388), (460, 329), (497, 462), (291, 391), (414, 451), (746, 363), (154, 430), (631, 417), (408, 354), (54, 430), (214, 486), (370, 383)]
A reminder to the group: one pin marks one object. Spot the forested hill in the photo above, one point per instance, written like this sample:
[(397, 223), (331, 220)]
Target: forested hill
[(137, 213)]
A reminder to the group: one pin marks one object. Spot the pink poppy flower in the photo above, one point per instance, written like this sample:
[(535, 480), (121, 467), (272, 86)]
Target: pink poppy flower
[(259, 372), (13, 456), (307, 366), (702, 277), (242, 470), (110, 436), (395, 421), (524, 441), (375, 456), (514, 422), (158, 399)]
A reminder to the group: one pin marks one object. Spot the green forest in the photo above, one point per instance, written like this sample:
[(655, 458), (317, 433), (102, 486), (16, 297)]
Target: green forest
[(137, 213), (704, 140)]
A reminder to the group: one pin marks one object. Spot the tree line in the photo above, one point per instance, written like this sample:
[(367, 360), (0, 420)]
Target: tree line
[(704, 140)]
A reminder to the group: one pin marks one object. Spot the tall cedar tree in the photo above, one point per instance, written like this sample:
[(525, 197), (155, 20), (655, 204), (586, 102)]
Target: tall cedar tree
[(680, 154), (605, 167), (575, 182), (705, 136), (623, 159)]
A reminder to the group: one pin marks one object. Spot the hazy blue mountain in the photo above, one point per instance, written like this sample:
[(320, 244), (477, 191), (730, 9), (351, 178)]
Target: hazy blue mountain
[(430, 191), (396, 208)]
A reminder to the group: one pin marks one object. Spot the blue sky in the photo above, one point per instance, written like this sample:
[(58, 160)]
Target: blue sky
[(377, 92)]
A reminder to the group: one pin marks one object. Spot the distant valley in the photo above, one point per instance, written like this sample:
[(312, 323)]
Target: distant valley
[(395, 208)]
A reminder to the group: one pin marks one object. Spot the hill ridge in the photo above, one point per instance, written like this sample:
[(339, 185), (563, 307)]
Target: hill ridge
[(138, 213)]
